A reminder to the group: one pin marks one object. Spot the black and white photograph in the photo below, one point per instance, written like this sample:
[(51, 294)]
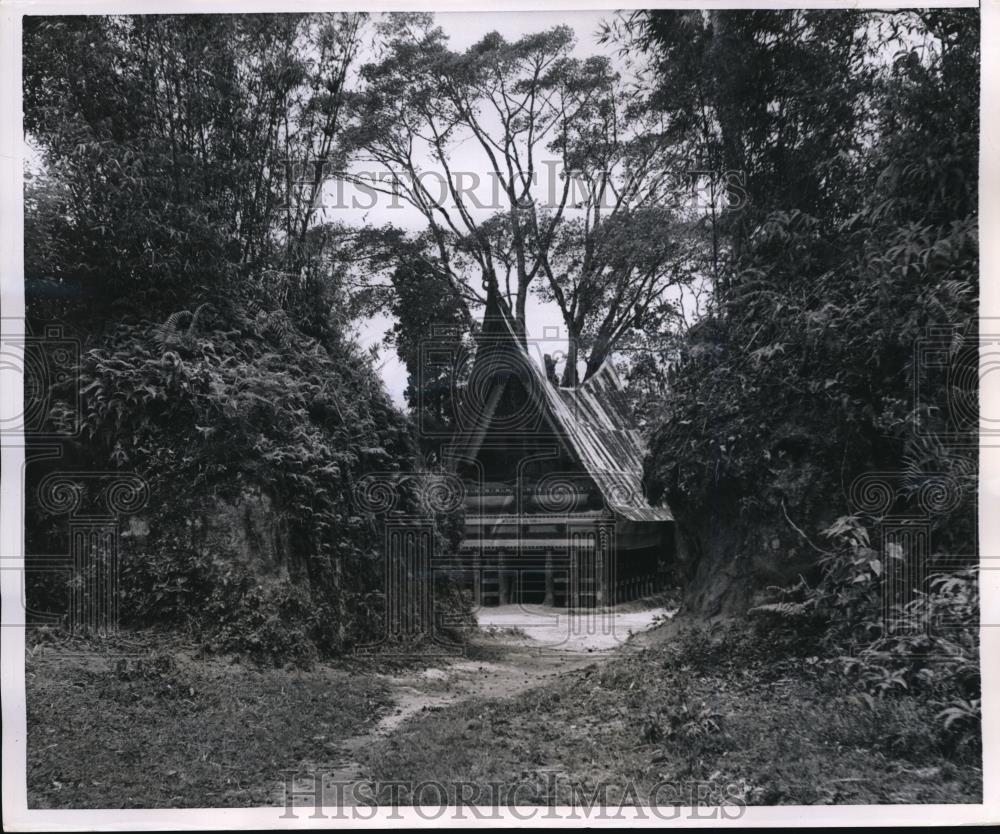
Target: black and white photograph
[(526, 415)]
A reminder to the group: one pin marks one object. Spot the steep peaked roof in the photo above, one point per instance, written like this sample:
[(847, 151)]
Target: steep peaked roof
[(594, 420)]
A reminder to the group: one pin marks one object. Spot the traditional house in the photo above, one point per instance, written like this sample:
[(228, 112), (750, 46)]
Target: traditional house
[(555, 510)]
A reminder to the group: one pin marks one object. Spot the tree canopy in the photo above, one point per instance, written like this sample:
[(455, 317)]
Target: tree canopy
[(585, 211), (858, 242)]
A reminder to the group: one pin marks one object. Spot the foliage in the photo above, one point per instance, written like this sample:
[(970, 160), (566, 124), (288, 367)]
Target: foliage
[(432, 339), (173, 221), (580, 204), (169, 139), (803, 375), (886, 638), (772, 103)]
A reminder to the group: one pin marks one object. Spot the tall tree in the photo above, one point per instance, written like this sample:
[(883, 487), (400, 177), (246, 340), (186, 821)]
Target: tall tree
[(861, 234), (776, 100), (431, 337), (172, 135), (575, 167)]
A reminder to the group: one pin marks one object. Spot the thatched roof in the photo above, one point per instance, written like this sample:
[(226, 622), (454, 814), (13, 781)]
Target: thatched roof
[(592, 420)]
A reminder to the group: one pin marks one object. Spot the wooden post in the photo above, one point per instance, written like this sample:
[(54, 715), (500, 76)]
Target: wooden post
[(598, 595)]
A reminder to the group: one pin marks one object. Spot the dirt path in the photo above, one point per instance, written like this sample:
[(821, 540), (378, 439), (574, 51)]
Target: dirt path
[(534, 644)]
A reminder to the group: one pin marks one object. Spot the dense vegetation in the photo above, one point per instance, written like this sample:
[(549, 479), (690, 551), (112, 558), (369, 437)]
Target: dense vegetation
[(217, 358), (807, 383), (787, 316)]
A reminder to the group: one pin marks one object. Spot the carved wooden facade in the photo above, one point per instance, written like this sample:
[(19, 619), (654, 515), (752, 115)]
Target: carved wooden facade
[(555, 511)]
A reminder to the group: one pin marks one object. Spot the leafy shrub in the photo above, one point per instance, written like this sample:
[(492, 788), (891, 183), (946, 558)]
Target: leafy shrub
[(274, 625), (222, 403), (925, 646)]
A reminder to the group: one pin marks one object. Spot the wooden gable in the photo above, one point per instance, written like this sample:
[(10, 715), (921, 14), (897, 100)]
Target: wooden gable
[(520, 427)]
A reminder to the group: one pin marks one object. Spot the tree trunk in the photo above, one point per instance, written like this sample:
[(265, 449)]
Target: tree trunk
[(572, 356), (598, 353), (713, 558)]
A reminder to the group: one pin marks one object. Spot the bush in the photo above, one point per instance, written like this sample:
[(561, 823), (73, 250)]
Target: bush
[(224, 403), (925, 645)]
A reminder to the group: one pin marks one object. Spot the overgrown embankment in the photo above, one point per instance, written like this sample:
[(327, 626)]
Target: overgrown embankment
[(253, 440), (753, 722), (818, 442), (834, 373), (211, 316)]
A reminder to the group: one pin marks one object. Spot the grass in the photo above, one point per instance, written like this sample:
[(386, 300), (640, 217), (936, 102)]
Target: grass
[(775, 732), (139, 726), (151, 724)]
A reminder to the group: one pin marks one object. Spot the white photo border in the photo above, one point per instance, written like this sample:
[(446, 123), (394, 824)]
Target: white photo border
[(18, 817)]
